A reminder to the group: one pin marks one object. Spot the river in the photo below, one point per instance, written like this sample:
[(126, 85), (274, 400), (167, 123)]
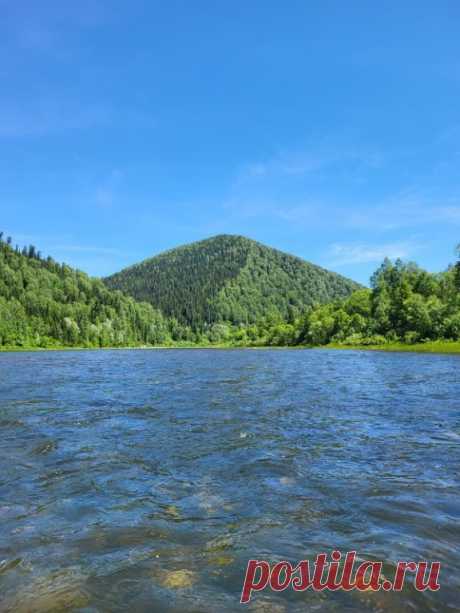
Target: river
[(144, 480)]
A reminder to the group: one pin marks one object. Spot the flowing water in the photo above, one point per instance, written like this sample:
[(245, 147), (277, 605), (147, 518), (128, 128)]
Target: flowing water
[(144, 480)]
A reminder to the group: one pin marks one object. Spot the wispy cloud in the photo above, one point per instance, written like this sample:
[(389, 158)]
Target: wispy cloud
[(341, 254), (106, 192), (49, 117), (294, 186), (311, 160), (406, 210), (336, 185), (450, 214), (63, 245), (285, 164), (44, 30), (63, 248)]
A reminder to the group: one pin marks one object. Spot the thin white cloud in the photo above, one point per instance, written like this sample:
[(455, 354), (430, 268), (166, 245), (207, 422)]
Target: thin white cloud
[(45, 119), (406, 211), (403, 212), (258, 169), (52, 244), (86, 249), (341, 254), (301, 163), (106, 192), (289, 187), (302, 213), (104, 196), (57, 114), (449, 214)]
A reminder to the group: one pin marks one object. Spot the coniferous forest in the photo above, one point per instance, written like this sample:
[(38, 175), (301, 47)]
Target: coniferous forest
[(44, 304), (230, 279), (223, 291)]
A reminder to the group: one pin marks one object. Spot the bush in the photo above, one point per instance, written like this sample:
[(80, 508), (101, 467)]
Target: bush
[(411, 337)]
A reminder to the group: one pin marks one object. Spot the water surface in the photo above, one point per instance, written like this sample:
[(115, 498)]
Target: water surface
[(144, 480)]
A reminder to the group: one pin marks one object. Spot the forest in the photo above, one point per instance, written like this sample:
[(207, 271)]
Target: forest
[(47, 304), (405, 304), (229, 279)]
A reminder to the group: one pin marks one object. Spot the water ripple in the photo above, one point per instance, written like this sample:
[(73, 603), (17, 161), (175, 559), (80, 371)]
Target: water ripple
[(145, 480)]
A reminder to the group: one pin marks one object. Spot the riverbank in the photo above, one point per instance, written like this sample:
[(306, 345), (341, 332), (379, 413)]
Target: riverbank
[(429, 347)]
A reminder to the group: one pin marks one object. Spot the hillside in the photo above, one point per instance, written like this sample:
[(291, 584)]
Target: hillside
[(226, 279), (229, 278), (43, 303)]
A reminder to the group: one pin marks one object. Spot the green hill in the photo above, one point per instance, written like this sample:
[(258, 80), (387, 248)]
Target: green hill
[(43, 303), (229, 278)]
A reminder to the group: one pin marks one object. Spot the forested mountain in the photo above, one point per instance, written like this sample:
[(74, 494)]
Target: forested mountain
[(43, 303), (233, 291), (229, 279)]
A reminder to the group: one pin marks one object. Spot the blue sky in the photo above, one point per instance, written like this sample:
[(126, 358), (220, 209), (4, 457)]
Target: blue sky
[(330, 130)]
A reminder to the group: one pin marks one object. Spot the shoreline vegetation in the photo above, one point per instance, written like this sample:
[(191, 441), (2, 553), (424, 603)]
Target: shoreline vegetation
[(429, 347), (48, 305)]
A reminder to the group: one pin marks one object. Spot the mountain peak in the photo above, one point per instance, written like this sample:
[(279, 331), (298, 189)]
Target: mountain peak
[(229, 278)]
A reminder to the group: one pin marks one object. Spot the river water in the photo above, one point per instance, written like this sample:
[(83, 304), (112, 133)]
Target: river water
[(144, 480)]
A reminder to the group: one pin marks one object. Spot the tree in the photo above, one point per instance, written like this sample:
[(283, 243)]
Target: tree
[(219, 333), (457, 269), (416, 316), (43, 304), (381, 310)]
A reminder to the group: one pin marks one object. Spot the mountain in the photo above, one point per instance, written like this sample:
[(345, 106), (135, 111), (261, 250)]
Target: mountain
[(229, 278), (43, 304)]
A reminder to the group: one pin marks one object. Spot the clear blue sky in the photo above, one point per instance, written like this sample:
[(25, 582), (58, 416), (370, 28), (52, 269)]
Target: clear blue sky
[(330, 130)]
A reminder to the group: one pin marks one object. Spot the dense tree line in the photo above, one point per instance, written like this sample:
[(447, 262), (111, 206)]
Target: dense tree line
[(44, 303), (405, 304), (229, 279)]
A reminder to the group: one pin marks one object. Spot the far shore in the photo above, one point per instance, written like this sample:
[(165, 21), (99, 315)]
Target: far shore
[(429, 347), (444, 347)]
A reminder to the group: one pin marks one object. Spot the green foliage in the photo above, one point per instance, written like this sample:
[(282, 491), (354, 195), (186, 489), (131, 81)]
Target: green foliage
[(457, 269), (45, 304), (229, 279), (406, 304), (219, 333), (224, 291)]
